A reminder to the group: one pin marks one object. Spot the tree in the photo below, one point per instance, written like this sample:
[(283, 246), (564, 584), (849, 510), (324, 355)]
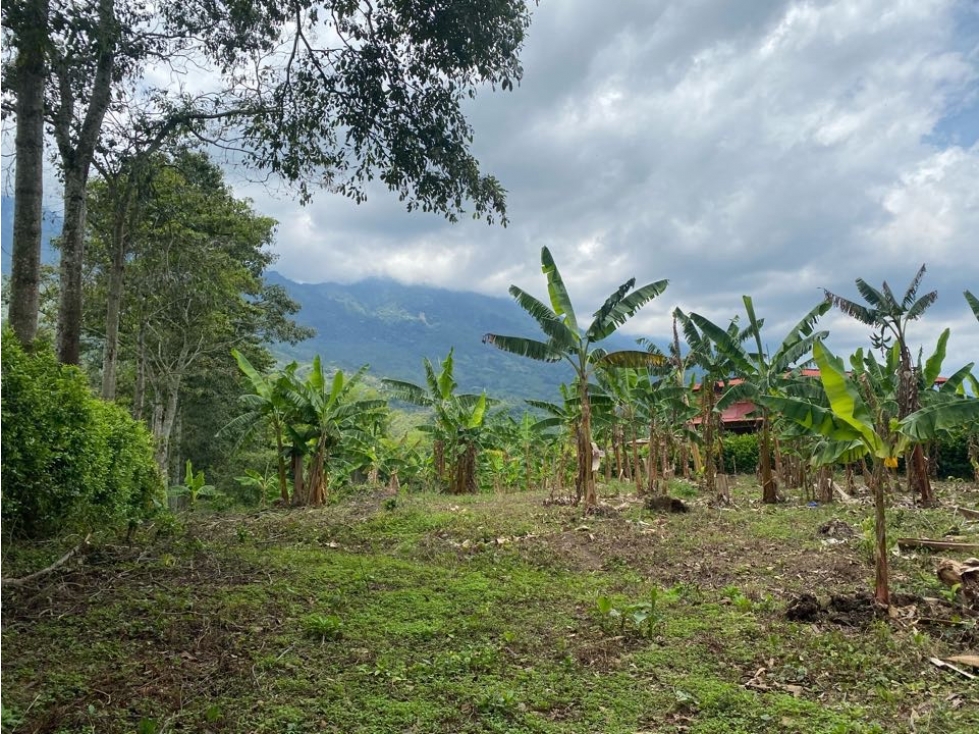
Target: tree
[(384, 101), (29, 21), (456, 425), (890, 318), (565, 341), (860, 422), (716, 368), (194, 287), (762, 374)]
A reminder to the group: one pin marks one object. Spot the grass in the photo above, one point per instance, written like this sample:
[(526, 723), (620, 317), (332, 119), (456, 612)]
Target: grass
[(479, 614)]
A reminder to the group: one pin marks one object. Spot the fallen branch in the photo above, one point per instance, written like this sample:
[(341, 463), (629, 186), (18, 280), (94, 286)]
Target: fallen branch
[(936, 544), (966, 512), (847, 499), (948, 666), (60, 562)]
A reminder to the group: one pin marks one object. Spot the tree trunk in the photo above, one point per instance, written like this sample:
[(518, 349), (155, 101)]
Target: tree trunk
[(28, 77), (140, 390), (651, 470), (316, 490), (119, 243), (298, 486), (438, 461), (281, 465), (769, 493), (920, 483), (76, 161), (585, 475), (164, 415), (72, 263)]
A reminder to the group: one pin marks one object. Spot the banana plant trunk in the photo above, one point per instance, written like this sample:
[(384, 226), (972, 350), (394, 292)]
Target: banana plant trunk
[(882, 592), (586, 478), (281, 464), (769, 492)]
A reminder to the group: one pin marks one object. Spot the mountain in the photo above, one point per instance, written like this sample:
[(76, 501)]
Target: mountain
[(391, 327), (50, 227)]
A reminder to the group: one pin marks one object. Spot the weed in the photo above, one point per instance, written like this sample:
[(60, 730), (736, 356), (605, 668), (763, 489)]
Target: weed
[(323, 626)]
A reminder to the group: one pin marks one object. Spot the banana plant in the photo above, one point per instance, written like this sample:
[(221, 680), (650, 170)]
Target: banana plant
[(455, 429), (761, 373), (566, 341), (860, 418), (266, 401), (194, 487), (890, 316), (327, 412)]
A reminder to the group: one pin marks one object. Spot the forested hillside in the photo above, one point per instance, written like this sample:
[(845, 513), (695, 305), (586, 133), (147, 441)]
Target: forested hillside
[(392, 327)]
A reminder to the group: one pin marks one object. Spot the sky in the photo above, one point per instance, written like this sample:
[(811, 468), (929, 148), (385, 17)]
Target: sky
[(771, 148)]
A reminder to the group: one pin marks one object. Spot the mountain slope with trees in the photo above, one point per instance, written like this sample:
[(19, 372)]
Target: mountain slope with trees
[(392, 327)]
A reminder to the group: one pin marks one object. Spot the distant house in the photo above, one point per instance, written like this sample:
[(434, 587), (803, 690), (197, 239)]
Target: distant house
[(740, 417)]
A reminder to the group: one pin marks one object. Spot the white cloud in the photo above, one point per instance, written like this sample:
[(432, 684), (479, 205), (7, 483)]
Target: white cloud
[(769, 148)]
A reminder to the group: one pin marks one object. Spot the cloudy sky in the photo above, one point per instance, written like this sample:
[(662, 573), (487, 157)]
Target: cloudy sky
[(770, 148)]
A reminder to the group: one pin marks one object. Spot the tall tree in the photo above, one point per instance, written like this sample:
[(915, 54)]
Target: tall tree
[(566, 341), (890, 318), (383, 101), (29, 21), (195, 287)]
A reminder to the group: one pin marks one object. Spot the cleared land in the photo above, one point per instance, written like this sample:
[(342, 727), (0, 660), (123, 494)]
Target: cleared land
[(480, 614)]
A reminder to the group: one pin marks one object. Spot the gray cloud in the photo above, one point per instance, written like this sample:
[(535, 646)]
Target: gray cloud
[(768, 148)]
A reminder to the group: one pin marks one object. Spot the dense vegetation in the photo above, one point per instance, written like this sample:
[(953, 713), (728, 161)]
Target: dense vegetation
[(71, 462), (436, 559)]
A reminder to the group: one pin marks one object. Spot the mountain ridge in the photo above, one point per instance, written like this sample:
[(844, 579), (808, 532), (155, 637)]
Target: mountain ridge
[(392, 327)]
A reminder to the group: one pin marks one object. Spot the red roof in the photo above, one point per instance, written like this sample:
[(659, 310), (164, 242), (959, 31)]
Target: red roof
[(736, 413)]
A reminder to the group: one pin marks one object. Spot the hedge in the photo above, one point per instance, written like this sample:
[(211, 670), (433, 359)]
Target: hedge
[(71, 461)]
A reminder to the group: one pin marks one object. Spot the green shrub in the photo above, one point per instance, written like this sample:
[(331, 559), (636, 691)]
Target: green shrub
[(70, 460), (740, 453), (952, 454)]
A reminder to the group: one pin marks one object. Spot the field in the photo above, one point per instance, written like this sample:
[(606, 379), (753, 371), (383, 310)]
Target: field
[(491, 613)]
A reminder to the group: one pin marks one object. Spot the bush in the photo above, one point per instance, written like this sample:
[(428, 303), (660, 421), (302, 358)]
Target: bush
[(70, 460), (952, 454), (740, 453)]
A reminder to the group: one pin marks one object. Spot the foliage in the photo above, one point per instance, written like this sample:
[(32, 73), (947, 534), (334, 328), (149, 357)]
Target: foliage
[(951, 452), (70, 460), (456, 427), (740, 453), (566, 341), (762, 374), (194, 486), (644, 616)]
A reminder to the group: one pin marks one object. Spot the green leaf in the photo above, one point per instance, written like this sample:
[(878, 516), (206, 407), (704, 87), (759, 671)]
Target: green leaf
[(549, 322), (617, 311), (560, 300), (954, 383), (933, 367), (531, 348), (973, 303), (631, 359), (476, 419), (844, 401), (926, 424)]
